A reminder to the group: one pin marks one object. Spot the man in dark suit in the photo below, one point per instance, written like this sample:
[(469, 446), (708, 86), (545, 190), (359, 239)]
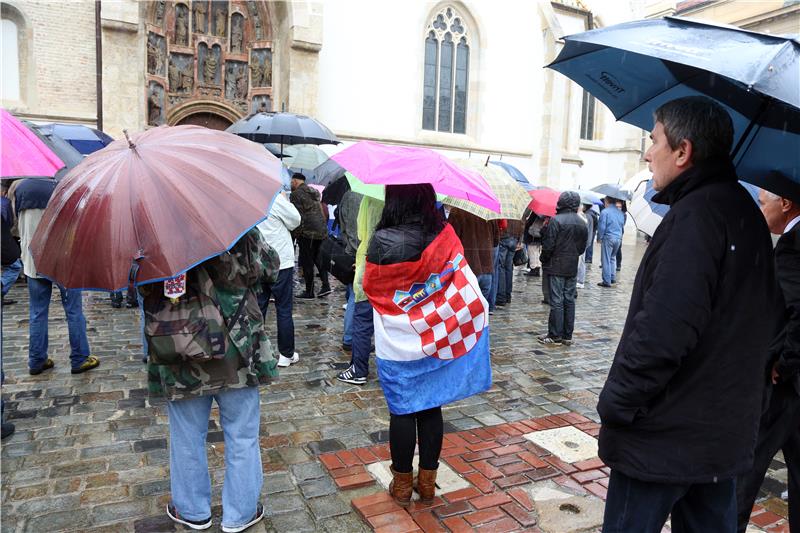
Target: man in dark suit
[(780, 424)]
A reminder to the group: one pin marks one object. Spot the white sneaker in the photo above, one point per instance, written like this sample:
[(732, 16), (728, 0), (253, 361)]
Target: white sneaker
[(580, 285), (283, 362)]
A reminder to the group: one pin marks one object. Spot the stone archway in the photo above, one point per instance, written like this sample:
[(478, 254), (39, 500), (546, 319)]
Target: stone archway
[(205, 119)]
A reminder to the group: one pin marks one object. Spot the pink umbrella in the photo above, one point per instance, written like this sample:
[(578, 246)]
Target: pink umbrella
[(377, 163), (543, 201), (22, 153)]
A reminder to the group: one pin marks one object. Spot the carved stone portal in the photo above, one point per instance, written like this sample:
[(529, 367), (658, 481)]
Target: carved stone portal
[(155, 104), (156, 54)]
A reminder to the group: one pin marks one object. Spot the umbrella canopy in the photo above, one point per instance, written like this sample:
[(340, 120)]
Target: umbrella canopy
[(328, 172), (84, 139), (513, 197), (282, 128), (590, 197), (613, 190), (333, 192), (23, 153), (173, 198), (543, 201), (375, 163), (515, 173), (635, 67), (65, 151), (303, 156)]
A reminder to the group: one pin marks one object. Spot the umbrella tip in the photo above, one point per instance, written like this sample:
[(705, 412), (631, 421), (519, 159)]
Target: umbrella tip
[(128, 137)]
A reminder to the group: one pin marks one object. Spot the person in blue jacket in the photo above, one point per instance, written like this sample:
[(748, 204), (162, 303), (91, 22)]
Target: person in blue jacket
[(609, 235)]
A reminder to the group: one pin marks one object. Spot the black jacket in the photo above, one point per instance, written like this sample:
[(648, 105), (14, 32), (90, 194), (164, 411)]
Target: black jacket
[(564, 239), (398, 244), (785, 348), (9, 245), (683, 397)]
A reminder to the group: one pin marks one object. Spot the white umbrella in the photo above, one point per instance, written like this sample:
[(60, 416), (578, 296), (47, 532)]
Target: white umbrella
[(646, 214)]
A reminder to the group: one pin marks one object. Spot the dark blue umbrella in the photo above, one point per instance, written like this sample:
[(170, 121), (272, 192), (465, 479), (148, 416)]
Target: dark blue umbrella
[(84, 139), (635, 67), (515, 173)]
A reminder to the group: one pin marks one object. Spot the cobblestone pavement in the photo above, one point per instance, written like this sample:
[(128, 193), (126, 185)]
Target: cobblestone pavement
[(90, 451)]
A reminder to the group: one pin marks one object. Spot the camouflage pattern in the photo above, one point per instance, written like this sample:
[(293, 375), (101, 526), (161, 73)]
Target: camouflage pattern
[(192, 350)]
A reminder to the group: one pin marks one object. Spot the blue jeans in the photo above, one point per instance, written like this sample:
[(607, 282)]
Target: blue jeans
[(347, 338), (39, 292), (485, 283), (239, 414), (363, 329), (282, 291), (495, 278), (562, 307), (10, 275), (590, 249), (609, 249), (508, 245), (633, 505)]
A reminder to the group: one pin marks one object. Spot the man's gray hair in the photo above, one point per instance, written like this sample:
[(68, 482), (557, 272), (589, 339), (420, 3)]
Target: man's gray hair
[(700, 120)]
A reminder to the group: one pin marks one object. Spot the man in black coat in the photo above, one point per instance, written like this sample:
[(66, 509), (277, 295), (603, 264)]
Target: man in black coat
[(682, 402), (563, 241), (780, 424)]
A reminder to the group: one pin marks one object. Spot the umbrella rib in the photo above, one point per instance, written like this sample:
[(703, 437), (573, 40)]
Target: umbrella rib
[(678, 83)]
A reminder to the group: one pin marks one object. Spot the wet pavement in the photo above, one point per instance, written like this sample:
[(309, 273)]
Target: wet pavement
[(90, 451)]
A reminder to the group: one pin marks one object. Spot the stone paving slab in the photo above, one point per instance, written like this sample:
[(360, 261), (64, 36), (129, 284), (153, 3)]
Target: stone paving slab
[(91, 451)]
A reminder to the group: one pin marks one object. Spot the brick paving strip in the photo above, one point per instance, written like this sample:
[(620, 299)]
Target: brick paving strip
[(500, 464)]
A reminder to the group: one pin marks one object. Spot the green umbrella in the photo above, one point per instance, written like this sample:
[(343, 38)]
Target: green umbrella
[(303, 156)]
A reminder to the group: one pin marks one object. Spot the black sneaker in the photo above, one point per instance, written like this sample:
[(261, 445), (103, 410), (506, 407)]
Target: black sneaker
[(603, 284), (306, 296), (547, 339), (324, 292), (7, 430), (172, 512), (349, 376), (347, 347), (255, 520)]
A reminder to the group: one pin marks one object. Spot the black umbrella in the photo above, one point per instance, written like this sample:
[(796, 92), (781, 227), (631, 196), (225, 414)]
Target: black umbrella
[(334, 191), (612, 191), (282, 128)]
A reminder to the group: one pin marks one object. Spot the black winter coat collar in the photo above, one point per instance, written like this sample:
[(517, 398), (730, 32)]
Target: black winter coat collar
[(712, 171)]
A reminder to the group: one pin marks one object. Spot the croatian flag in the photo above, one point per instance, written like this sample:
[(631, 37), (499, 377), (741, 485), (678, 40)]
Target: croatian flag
[(431, 328)]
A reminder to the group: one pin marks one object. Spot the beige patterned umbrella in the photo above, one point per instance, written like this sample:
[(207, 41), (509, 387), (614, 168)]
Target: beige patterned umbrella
[(513, 197)]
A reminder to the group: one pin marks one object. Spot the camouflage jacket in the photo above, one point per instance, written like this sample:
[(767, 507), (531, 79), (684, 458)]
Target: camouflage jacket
[(194, 347)]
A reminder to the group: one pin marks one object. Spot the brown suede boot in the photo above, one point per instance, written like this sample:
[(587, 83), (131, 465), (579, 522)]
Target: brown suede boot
[(401, 487), (426, 485)]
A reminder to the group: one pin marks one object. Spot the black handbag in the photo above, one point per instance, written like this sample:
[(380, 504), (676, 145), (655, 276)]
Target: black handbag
[(333, 258), (521, 257)]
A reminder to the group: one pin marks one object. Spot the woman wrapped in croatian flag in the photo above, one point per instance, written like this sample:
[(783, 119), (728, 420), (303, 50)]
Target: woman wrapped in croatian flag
[(431, 329)]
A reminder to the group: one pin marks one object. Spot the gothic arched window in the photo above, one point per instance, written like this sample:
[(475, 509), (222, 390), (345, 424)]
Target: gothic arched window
[(446, 79)]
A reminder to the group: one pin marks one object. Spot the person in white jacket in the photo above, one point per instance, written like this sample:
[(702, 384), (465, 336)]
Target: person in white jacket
[(283, 218)]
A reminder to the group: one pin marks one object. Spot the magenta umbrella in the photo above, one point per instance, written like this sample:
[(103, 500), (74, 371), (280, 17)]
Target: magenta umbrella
[(22, 153), (377, 163)]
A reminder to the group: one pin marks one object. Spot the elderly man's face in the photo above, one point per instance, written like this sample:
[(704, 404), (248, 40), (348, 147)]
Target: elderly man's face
[(662, 158), (773, 208)]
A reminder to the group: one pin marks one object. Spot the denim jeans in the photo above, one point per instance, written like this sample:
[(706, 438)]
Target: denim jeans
[(562, 307), (508, 246), (10, 275), (363, 329), (282, 291), (347, 338), (495, 278), (590, 249), (634, 505), (609, 258), (581, 270), (39, 292), (190, 483), (485, 283)]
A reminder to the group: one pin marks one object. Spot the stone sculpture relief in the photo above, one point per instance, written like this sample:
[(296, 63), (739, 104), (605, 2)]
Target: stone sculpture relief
[(237, 33), (208, 66), (254, 16), (155, 104), (181, 73), (235, 80), (181, 25), (161, 7), (200, 18), (156, 54), (220, 19), (261, 68), (261, 103)]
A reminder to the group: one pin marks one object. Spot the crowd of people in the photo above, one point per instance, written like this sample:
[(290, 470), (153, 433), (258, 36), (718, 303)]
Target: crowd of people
[(702, 392)]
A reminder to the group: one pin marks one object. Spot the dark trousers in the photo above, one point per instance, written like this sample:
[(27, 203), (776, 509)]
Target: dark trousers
[(779, 430), (508, 245), (562, 307), (282, 291), (308, 250), (546, 287), (641, 506), (590, 248), (404, 430), (363, 329), (619, 256)]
